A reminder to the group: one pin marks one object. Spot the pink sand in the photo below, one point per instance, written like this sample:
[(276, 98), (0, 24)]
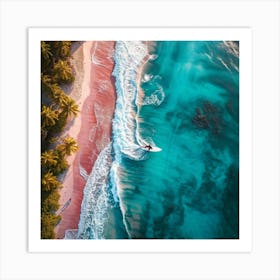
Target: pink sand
[(91, 128)]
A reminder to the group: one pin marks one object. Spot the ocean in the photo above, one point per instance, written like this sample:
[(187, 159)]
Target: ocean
[(184, 103)]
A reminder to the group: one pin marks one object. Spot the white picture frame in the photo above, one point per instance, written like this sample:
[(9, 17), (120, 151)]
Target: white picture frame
[(261, 261)]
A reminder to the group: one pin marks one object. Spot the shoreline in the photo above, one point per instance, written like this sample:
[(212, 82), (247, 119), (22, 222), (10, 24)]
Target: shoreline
[(91, 128)]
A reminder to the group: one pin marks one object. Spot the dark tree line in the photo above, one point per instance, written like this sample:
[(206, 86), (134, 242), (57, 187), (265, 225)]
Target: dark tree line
[(56, 109)]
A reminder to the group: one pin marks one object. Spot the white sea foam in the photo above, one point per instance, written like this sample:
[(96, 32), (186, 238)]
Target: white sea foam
[(95, 200), (92, 133), (83, 172), (113, 180), (116, 190), (156, 98), (128, 57), (231, 47), (147, 78), (223, 63), (94, 60), (153, 57)]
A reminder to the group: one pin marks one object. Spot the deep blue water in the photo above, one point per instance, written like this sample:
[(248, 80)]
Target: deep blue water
[(188, 107)]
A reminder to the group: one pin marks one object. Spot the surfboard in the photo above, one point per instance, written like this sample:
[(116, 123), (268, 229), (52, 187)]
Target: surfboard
[(154, 149)]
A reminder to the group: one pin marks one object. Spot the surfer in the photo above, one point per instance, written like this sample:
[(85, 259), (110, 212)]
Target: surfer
[(149, 147)]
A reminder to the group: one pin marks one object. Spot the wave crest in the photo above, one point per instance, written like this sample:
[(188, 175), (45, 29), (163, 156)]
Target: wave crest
[(128, 57), (96, 198)]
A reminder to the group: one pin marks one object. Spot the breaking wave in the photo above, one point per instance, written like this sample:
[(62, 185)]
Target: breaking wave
[(128, 58), (96, 198)]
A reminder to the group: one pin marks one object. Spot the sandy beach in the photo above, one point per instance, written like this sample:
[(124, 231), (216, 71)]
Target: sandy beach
[(93, 90)]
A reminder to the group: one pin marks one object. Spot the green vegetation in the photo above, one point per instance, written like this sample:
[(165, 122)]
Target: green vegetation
[(67, 147), (56, 108)]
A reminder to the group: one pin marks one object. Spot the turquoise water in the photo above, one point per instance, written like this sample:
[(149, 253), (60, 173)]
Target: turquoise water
[(190, 110)]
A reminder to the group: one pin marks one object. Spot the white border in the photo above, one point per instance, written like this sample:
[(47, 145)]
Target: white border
[(262, 262), (243, 244)]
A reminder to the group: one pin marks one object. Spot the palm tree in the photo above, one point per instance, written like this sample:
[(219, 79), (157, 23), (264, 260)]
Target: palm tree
[(68, 146), (63, 71), (50, 182), (46, 50), (50, 202), (61, 165), (65, 48), (58, 95), (61, 49), (46, 82), (49, 158), (49, 116), (48, 222), (69, 107), (46, 57), (46, 79)]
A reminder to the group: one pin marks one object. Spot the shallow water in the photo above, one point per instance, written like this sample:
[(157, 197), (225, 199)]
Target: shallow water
[(190, 109)]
